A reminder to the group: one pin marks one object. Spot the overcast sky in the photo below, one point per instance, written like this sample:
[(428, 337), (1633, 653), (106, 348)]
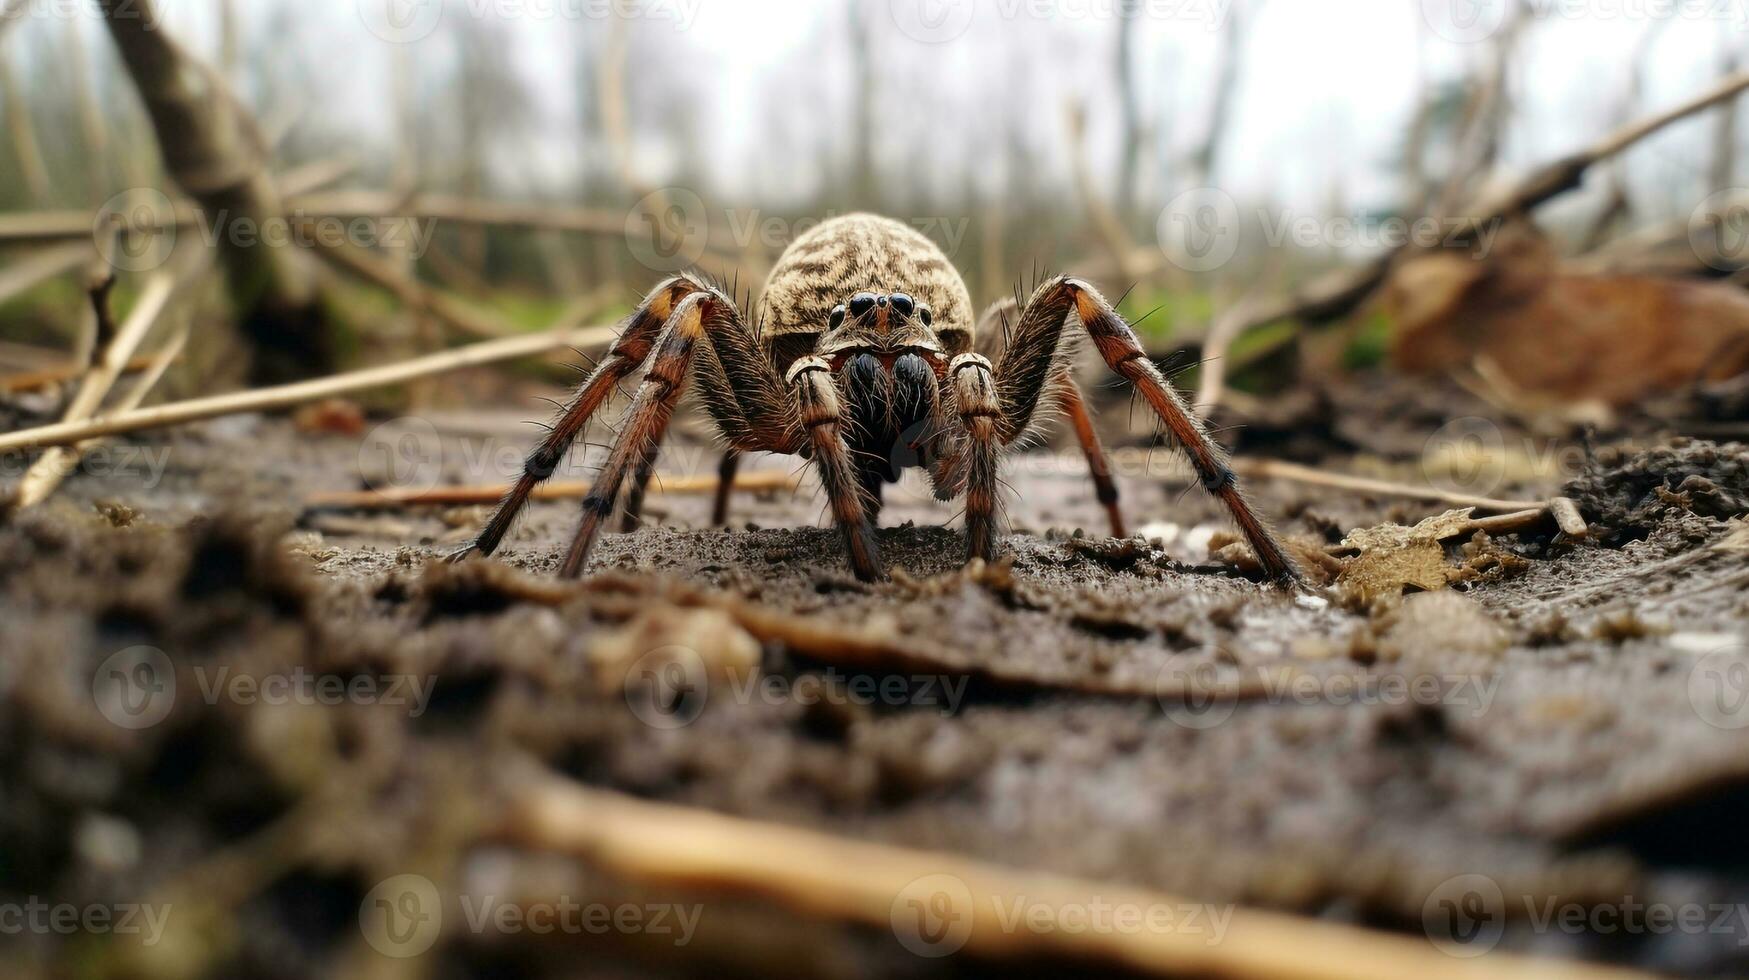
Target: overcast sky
[(1328, 87)]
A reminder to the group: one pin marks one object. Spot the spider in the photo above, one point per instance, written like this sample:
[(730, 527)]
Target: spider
[(868, 362)]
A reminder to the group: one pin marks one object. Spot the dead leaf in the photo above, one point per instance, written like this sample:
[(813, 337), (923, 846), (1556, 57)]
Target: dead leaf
[(1553, 334), (1394, 558)]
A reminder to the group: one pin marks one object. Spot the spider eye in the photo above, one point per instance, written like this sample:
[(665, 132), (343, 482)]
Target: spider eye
[(836, 318), (927, 314), (903, 303), (861, 303)]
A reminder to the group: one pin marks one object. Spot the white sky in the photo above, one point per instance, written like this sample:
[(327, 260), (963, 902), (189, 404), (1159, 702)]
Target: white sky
[(1325, 98)]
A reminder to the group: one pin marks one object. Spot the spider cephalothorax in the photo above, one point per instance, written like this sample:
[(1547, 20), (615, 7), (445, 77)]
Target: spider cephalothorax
[(867, 362)]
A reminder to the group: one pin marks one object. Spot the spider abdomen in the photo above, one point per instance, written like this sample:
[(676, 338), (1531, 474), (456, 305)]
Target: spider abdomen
[(858, 253)]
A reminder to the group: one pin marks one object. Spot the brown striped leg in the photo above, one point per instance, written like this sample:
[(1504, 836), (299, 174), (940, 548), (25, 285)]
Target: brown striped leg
[(1098, 464), (627, 353), (817, 398), (631, 516), (1032, 356), (974, 394), (725, 486), (645, 422)]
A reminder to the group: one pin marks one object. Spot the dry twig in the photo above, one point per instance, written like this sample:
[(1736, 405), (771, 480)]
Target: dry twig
[(453, 496), (56, 464), (838, 878), (284, 396), (1252, 467), (115, 346)]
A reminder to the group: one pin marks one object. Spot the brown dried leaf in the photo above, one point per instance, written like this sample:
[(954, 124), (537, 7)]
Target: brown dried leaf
[(1394, 558)]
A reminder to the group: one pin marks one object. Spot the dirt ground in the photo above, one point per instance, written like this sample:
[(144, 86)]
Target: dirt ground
[(1564, 721)]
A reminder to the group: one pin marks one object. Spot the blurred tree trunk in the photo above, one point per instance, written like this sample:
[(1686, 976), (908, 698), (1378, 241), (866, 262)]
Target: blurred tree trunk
[(94, 133), (211, 151), (230, 39), (1724, 162), (22, 133), (1205, 161), (1131, 112), (862, 181)]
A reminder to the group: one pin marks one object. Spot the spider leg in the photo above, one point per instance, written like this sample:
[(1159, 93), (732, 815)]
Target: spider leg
[(725, 486), (705, 336), (627, 353), (645, 422), (1034, 355), (995, 326), (1098, 464), (631, 516), (974, 399), (810, 378)]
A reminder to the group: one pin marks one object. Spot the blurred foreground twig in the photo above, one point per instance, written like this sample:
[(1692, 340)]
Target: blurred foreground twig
[(886, 887)]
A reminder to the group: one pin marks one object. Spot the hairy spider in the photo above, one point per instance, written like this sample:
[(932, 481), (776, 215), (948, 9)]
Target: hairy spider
[(867, 362)]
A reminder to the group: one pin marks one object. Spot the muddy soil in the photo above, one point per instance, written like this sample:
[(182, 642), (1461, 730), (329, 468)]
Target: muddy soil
[(1563, 721)]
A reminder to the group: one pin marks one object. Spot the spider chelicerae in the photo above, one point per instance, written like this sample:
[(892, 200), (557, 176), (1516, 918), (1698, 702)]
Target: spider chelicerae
[(867, 361)]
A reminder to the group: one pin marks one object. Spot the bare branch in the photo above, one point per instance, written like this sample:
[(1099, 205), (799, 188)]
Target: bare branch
[(1337, 293), (285, 396)]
